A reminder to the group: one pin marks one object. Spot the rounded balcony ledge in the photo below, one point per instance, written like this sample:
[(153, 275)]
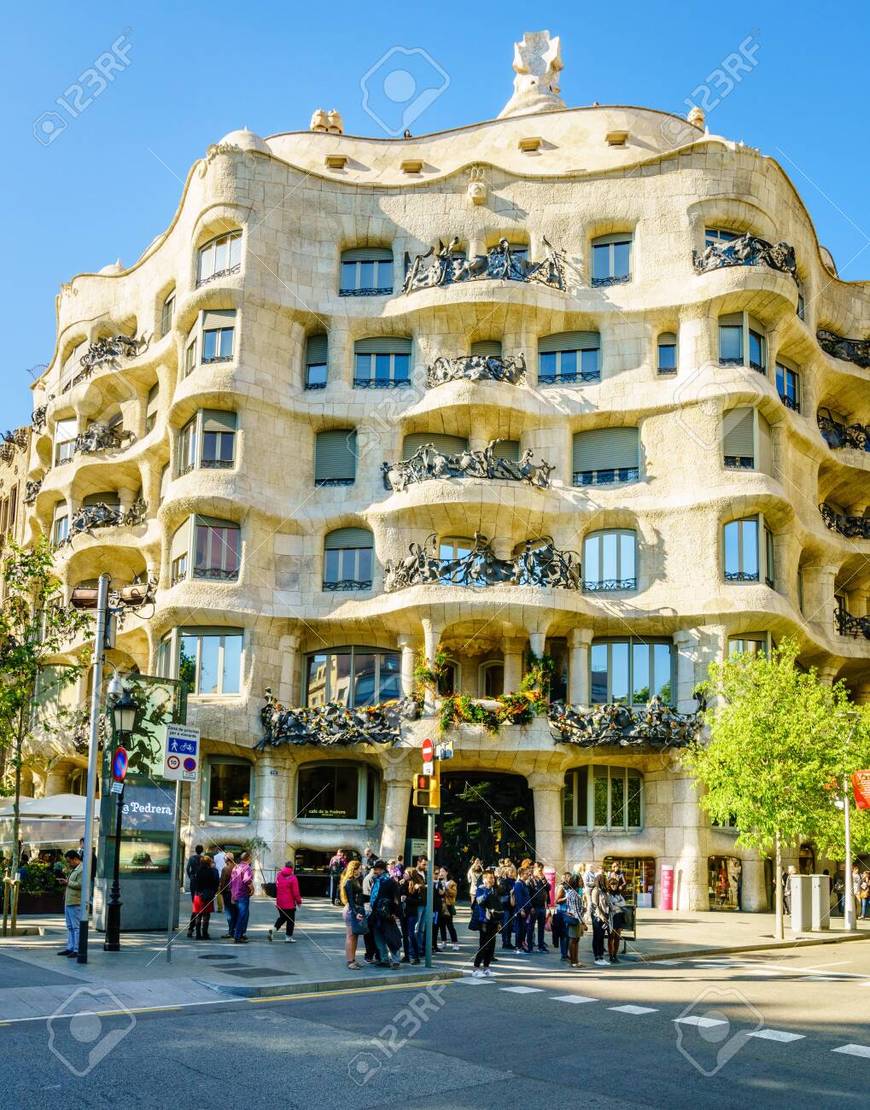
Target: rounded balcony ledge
[(742, 287), (205, 385), (145, 537), (234, 600), (202, 488), (191, 298), (430, 494)]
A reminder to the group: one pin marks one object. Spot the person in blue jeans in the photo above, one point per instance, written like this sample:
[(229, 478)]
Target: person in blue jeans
[(507, 876), (522, 909), (241, 889), (539, 885), (560, 927), (409, 887)]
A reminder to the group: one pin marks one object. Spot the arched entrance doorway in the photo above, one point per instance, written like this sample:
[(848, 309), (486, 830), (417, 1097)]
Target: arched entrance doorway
[(483, 814)]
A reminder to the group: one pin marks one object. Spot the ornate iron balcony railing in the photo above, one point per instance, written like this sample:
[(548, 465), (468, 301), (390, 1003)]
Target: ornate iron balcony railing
[(847, 625), (653, 725), (334, 725), (606, 282), (609, 585), (342, 585), (739, 462), (443, 266), (218, 274), (427, 462), (790, 402), (333, 481), (221, 574), (852, 527), (540, 563), (102, 437), (31, 490), (742, 576), (381, 383), (606, 477), (747, 250), (108, 349), (569, 377), (849, 350), (477, 368), (37, 418), (369, 291), (838, 435), (90, 517)]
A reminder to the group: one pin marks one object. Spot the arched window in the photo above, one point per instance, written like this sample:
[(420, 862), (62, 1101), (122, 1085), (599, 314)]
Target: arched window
[(492, 679), (611, 259), (569, 357), (316, 353), (609, 560), (603, 456), (353, 676), (219, 257), (347, 559), (366, 272), (631, 670), (666, 353), (602, 797), (337, 792), (382, 362), (741, 549)]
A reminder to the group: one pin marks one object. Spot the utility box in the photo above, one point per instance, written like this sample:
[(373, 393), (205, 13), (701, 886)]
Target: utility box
[(800, 890), (820, 909)]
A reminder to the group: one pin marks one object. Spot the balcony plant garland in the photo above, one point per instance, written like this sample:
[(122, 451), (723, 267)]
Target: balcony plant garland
[(519, 708)]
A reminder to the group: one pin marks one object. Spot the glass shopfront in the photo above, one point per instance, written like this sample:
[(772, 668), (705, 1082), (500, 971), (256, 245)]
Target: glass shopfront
[(640, 877), (724, 882)]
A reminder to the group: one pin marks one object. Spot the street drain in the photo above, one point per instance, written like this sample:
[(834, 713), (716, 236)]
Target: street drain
[(216, 956), (258, 972)]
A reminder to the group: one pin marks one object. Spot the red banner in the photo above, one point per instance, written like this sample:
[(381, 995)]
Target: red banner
[(861, 789)]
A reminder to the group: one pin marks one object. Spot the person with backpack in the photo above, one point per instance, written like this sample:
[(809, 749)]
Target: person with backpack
[(191, 869), (486, 915), (540, 890), (206, 883), (383, 910)]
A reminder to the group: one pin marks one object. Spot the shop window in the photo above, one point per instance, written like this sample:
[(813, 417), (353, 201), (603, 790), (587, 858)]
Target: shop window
[(337, 792), (229, 787), (602, 797), (353, 676), (640, 877), (724, 882), (631, 671), (610, 561)]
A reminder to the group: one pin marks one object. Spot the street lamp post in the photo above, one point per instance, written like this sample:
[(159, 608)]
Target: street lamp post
[(849, 890), (124, 721)]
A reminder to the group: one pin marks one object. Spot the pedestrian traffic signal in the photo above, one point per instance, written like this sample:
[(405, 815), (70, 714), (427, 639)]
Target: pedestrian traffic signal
[(427, 791)]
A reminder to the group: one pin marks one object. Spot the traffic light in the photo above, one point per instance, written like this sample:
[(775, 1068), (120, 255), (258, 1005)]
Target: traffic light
[(427, 791)]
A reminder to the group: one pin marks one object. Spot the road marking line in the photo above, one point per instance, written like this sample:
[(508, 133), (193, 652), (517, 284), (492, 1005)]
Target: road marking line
[(634, 1009), (776, 1035), (523, 990), (476, 980), (573, 998), (853, 1050), (701, 1022)]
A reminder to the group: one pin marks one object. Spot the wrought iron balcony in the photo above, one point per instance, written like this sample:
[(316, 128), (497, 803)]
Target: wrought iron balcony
[(609, 585), (477, 368), (343, 585), (334, 481), (790, 402), (443, 266), (218, 574), (381, 383), (653, 725), (838, 435), (367, 291), (102, 437), (747, 250), (606, 477), (569, 377), (90, 517), (218, 274), (742, 576), (10, 442), (606, 282), (849, 350), (540, 563), (333, 725), (427, 462), (739, 462), (847, 625), (109, 349), (852, 527), (31, 490), (37, 418)]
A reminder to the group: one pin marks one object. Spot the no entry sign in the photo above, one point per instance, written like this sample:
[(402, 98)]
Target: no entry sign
[(437, 839), (428, 750)]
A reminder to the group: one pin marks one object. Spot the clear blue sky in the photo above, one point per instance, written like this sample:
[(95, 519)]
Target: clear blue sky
[(110, 179)]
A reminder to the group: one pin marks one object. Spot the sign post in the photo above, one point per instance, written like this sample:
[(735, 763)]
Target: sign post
[(180, 764)]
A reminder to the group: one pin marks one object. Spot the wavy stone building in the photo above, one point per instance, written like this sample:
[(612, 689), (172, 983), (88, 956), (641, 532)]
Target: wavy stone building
[(575, 382)]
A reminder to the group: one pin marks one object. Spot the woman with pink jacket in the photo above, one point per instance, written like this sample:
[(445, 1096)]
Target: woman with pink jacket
[(287, 898)]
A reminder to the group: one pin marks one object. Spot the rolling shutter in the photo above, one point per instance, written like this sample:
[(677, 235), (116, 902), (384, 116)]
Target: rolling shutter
[(316, 349), (488, 348), (218, 318), (110, 498), (667, 339), (213, 420), (765, 450), (447, 445), (569, 341), (367, 254), (738, 433), (507, 449), (606, 449), (383, 345), (347, 537), (335, 455)]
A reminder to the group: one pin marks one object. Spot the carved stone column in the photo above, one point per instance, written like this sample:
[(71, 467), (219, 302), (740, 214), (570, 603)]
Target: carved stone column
[(549, 842), (270, 800), (690, 873), (406, 644), (289, 688), (819, 595), (753, 887), (686, 648), (579, 641), (397, 788), (513, 664), (431, 639), (537, 640)]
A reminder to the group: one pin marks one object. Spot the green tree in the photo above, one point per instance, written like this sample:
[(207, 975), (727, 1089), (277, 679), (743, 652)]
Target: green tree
[(778, 740), (36, 628)]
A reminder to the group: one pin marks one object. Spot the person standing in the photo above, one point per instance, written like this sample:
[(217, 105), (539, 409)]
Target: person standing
[(207, 881), (616, 922), (560, 924), (447, 889), (864, 895), (367, 882), (540, 890), (226, 875), (409, 893), (505, 879), (521, 899), (573, 914), (600, 914), (218, 858), (383, 910), (336, 867), (242, 889), (192, 867), (618, 874), (72, 903), (368, 860), (474, 878), (487, 919), (350, 894), (287, 901)]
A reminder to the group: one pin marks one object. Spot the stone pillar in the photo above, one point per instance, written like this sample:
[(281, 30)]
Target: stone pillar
[(753, 888), (431, 639), (289, 684), (270, 773), (861, 695), (579, 641), (819, 600), (537, 640), (513, 664), (549, 843), (685, 644), (827, 673), (397, 788), (407, 647), (56, 781), (686, 839)]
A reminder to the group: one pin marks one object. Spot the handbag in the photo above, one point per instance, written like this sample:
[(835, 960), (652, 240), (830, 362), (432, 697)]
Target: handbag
[(271, 889), (357, 927)]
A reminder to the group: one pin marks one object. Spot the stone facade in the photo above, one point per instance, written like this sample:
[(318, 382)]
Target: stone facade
[(298, 202)]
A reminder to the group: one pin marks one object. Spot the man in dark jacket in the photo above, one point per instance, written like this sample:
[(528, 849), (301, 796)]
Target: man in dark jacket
[(192, 867), (383, 911), (522, 908), (540, 888)]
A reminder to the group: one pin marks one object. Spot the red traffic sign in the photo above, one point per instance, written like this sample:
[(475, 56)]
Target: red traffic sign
[(861, 789), (428, 750), (119, 764), (437, 839)]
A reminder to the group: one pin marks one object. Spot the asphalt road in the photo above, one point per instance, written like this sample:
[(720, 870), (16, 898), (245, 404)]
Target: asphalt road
[(788, 1029)]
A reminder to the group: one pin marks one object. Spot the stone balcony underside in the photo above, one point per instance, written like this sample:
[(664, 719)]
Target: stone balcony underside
[(850, 350)]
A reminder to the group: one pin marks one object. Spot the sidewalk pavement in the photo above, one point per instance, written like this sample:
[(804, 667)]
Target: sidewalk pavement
[(36, 983)]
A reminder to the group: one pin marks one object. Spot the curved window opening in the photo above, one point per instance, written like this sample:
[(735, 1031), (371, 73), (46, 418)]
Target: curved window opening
[(219, 258), (353, 676), (609, 561), (348, 560), (366, 272)]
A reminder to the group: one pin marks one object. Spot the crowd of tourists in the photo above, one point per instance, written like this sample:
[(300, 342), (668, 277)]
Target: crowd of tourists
[(385, 903)]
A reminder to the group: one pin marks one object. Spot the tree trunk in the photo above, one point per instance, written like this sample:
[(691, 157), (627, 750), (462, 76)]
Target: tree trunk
[(779, 927), (16, 819)]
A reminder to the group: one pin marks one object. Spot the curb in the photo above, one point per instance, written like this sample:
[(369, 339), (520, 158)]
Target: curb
[(325, 986), (774, 945)]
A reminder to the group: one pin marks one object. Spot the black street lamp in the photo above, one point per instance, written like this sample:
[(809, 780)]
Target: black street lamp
[(124, 721)]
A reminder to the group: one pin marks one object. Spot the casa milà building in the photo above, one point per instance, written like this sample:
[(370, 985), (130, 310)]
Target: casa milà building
[(573, 382)]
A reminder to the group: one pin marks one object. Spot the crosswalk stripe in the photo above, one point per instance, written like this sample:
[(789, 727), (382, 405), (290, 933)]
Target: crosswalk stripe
[(853, 1050), (629, 1009), (574, 998), (475, 980), (776, 1035), (523, 990), (701, 1022)]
